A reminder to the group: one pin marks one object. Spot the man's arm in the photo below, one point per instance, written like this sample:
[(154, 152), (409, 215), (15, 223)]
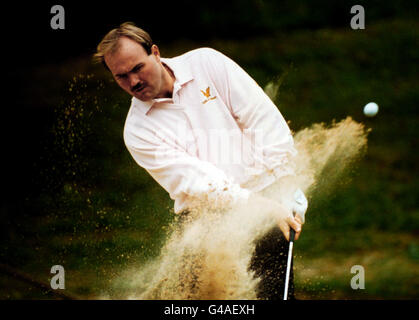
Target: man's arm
[(254, 111), (198, 183), (184, 177)]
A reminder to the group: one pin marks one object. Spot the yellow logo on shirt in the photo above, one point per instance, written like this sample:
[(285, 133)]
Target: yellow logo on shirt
[(207, 95)]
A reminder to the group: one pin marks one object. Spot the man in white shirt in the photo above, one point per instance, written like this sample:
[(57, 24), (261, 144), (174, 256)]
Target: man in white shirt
[(208, 134)]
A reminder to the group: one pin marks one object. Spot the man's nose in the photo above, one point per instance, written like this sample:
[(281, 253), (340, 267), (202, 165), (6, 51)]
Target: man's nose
[(133, 81)]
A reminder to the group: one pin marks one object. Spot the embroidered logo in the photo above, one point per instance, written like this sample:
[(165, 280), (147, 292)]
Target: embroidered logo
[(207, 95)]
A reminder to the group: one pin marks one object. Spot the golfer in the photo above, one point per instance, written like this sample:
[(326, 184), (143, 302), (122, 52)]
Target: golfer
[(209, 135)]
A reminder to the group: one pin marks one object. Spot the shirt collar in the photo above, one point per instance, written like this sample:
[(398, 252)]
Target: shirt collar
[(182, 76)]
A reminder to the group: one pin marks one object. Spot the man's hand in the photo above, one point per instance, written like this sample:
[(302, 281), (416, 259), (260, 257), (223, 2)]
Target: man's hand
[(282, 213), (287, 221), (296, 218)]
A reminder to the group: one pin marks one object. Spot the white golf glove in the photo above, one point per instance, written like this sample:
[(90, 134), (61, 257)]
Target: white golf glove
[(300, 204)]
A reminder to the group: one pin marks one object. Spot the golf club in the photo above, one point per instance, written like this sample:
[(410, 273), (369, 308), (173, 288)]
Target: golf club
[(287, 276)]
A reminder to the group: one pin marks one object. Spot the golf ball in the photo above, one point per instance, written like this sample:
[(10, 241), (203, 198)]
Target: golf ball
[(371, 109)]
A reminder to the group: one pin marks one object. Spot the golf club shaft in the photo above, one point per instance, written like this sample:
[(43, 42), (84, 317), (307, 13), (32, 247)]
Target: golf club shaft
[(287, 277)]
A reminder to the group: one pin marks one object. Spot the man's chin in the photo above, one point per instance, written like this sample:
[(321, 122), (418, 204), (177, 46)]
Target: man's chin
[(143, 96)]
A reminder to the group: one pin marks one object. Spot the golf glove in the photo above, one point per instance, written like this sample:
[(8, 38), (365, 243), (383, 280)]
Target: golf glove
[(300, 204)]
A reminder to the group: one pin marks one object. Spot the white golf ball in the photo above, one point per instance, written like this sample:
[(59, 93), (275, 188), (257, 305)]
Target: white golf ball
[(371, 109)]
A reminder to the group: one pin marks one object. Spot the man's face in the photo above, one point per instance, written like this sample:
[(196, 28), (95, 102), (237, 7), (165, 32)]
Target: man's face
[(139, 74)]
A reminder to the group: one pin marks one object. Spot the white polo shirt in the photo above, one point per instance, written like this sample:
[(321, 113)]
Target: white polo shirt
[(216, 140)]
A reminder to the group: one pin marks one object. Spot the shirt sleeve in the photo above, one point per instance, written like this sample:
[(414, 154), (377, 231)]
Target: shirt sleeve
[(255, 112), (195, 183)]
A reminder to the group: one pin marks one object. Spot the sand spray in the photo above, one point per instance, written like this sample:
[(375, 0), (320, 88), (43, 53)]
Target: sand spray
[(207, 254)]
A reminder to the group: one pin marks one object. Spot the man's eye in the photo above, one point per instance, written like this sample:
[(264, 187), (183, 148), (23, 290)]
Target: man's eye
[(137, 68)]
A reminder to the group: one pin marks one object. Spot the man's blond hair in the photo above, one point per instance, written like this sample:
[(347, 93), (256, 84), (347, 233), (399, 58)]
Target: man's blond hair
[(109, 42)]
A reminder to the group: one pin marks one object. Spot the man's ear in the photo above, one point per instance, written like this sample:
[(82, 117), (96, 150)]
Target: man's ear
[(155, 51)]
